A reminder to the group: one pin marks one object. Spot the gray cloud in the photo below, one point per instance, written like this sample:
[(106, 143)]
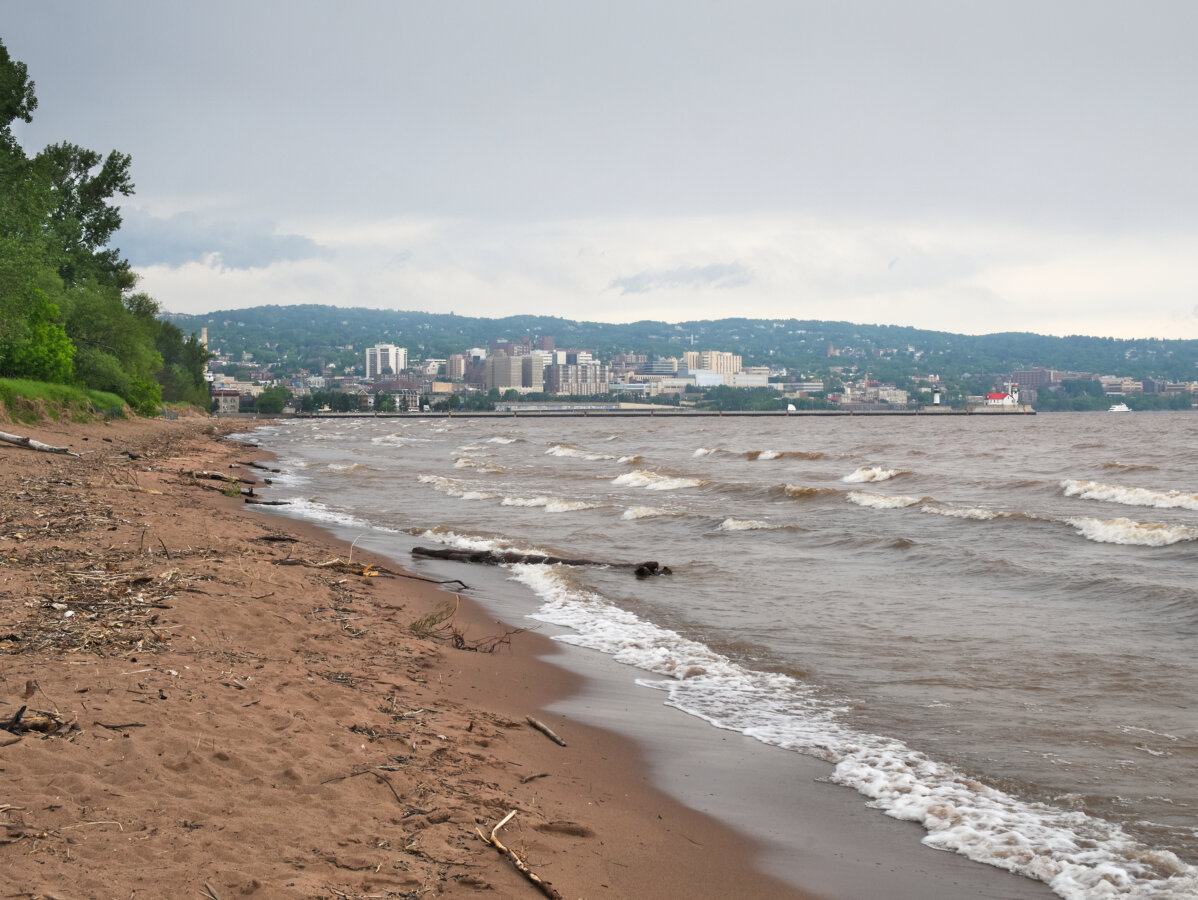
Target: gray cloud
[(188, 237), (717, 275)]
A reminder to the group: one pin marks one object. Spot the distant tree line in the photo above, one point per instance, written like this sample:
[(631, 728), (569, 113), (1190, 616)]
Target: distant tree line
[(68, 311)]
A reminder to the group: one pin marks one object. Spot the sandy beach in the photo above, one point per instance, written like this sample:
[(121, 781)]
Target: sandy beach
[(199, 700)]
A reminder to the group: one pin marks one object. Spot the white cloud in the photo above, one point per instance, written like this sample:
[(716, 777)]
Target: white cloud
[(961, 278)]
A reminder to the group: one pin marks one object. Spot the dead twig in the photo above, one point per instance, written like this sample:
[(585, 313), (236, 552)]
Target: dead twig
[(545, 887)]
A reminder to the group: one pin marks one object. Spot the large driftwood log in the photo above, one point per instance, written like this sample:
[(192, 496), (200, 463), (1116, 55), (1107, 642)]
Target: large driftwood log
[(499, 557), (31, 444)]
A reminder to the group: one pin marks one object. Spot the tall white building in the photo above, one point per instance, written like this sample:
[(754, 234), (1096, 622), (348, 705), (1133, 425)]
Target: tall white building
[(383, 359)]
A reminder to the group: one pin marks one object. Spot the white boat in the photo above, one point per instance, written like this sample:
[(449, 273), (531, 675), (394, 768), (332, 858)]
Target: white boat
[(1119, 407)]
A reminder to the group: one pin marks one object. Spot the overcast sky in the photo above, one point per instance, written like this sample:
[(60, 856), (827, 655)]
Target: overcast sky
[(964, 166)]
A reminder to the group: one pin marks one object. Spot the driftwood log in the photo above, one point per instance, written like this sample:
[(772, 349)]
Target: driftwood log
[(31, 444), (500, 557)]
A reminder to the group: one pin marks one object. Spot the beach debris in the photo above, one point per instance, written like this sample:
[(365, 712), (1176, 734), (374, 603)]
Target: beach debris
[(371, 570), (31, 444), (441, 624), (545, 730), (502, 557), (544, 886), (26, 720)]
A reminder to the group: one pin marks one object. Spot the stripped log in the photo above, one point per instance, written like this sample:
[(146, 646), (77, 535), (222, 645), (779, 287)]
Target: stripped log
[(545, 887), (30, 444), (545, 730), (500, 557)]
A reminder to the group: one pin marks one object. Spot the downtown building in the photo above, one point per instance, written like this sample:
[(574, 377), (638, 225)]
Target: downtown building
[(385, 359), (578, 379)]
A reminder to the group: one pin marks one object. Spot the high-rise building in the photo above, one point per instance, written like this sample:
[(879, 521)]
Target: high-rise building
[(385, 359), (504, 371)]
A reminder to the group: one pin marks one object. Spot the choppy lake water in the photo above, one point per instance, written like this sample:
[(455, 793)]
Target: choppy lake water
[(987, 625)]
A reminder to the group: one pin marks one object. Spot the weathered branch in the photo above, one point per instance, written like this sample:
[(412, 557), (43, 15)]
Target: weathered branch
[(545, 887), (545, 730), (31, 444)]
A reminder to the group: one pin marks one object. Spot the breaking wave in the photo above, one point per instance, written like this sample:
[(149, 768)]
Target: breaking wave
[(750, 525), (468, 462), (1126, 531), (348, 467), (782, 454), (574, 453), (1129, 496), (1078, 855), (645, 512), (550, 504), (655, 482), (881, 501), (871, 473), (965, 512), (452, 488)]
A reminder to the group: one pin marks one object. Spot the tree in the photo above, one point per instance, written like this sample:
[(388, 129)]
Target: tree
[(83, 221), (272, 400), (17, 98)]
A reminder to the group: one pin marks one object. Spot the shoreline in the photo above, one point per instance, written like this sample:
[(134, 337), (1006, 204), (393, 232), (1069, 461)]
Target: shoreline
[(812, 833), (229, 711)]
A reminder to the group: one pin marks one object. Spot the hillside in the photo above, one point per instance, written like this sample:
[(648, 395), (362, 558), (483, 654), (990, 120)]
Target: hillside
[(291, 337)]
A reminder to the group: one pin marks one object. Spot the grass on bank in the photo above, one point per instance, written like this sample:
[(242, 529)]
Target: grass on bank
[(34, 401)]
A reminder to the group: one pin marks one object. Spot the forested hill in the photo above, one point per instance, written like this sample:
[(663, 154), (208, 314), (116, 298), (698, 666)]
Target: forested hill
[(307, 336)]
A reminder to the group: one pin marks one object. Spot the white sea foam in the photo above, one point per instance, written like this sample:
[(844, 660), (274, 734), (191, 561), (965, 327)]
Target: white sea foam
[(391, 440), (469, 541), (747, 525), (629, 460), (1077, 855), (769, 454), (314, 510), (551, 504), (484, 465), (501, 440), (1126, 531), (871, 473), (1129, 496), (346, 467), (574, 453), (880, 501), (655, 482), (644, 512), (454, 488), (963, 512)]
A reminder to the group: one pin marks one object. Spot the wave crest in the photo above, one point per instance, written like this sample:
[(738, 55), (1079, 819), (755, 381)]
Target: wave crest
[(871, 473), (1129, 496), (654, 481), (881, 501), (1127, 531)]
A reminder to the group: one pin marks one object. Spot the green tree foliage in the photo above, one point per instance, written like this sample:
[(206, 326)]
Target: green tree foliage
[(184, 362), (83, 221), (272, 400), (67, 313)]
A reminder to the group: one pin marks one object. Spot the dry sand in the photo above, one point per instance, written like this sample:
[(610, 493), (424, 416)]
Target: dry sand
[(230, 716)]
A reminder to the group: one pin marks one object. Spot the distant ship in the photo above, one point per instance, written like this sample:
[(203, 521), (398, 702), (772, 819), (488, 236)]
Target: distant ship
[(1119, 407)]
